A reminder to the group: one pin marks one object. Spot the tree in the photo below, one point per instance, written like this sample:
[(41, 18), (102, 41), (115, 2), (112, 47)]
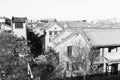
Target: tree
[(95, 56), (36, 41), (13, 57), (48, 64), (80, 58)]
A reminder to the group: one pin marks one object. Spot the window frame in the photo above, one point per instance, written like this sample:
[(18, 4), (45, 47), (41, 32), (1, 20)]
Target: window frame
[(18, 24), (50, 33)]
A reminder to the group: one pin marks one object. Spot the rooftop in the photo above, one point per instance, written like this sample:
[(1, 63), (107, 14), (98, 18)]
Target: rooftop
[(77, 23), (64, 36), (103, 37), (19, 19)]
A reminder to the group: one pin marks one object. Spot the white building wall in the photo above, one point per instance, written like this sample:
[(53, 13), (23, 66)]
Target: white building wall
[(119, 50), (119, 69), (112, 51), (20, 31), (54, 28), (74, 41), (46, 40), (77, 40)]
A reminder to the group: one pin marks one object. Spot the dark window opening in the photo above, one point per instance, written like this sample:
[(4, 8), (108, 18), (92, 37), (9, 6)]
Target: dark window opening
[(0, 25), (69, 50), (18, 25), (114, 69), (56, 33), (50, 33)]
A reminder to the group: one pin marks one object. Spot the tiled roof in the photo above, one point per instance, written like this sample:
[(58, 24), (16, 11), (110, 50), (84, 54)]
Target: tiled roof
[(61, 23), (64, 36), (48, 25), (19, 19), (42, 25), (98, 37), (103, 37)]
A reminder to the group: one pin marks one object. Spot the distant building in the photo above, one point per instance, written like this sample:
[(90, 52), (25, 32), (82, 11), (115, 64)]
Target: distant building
[(19, 26), (76, 24)]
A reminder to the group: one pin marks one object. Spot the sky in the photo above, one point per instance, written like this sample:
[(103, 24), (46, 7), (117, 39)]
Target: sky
[(61, 9)]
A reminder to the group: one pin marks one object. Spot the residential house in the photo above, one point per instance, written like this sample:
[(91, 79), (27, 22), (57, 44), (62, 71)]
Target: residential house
[(66, 44), (72, 42), (19, 26), (54, 28), (51, 29), (105, 24), (107, 42)]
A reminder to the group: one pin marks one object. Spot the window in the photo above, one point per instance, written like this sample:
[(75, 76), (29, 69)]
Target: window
[(69, 50), (50, 32), (55, 33), (18, 25)]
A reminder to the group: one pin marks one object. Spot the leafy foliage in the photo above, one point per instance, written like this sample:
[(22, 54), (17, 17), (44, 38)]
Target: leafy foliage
[(80, 58), (94, 54), (37, 44), (96, 69), (53, 57), (13, 57), (48, 63)]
